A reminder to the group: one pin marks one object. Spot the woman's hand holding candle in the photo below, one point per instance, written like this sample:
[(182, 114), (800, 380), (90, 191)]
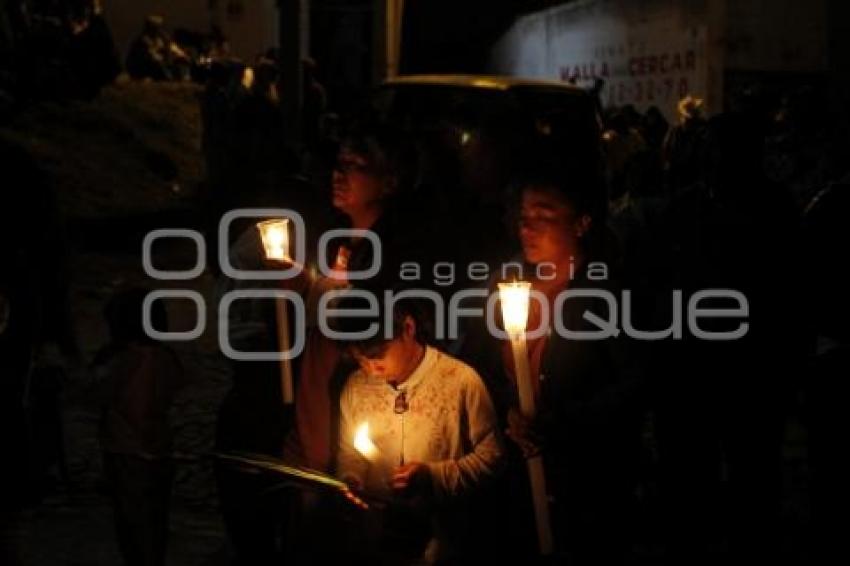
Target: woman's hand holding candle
[(521, 431), (414, 478)]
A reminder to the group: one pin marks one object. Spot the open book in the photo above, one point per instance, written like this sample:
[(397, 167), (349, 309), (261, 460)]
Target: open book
[(299, 476)]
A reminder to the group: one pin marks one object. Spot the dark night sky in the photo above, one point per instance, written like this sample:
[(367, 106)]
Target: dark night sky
[(455, 35)]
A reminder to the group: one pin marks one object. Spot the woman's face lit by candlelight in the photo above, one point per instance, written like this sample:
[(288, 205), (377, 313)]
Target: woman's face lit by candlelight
[(550, 230), (358, 184)]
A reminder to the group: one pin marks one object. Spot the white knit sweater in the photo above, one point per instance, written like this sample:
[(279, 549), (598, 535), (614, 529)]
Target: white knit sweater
[(450, 425)]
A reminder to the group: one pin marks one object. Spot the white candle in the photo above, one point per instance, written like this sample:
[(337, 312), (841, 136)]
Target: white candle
[(514, 298)]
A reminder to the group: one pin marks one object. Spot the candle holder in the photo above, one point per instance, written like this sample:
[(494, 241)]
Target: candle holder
[(274, 234)]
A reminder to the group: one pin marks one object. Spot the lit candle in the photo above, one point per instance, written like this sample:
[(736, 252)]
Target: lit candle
[(274, 234), (514, 298), (363, 443)]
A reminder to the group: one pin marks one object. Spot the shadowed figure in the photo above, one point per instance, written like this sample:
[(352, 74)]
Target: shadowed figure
[(720, 404), (139, 378), (826, 415)]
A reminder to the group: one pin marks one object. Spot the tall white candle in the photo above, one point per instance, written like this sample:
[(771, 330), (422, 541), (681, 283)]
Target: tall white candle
[(514, 298)]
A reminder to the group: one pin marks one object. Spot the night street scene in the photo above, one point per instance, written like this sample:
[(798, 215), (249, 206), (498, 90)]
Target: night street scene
[(455, 282)]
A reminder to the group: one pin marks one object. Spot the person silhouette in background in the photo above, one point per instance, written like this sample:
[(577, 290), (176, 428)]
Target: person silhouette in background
[(153, 55), (138, 379), (720, 404)]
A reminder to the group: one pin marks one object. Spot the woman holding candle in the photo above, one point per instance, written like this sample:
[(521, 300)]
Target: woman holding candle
[(586, 424), (364, 180), (432, 428)]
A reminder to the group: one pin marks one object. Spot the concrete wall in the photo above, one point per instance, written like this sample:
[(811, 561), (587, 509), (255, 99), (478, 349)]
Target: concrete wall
[(652, 52), (251, 25), (648, 53)]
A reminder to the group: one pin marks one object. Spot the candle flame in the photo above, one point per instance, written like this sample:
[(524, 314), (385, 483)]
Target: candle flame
[(514, 298), (275, 236), (363, 443)]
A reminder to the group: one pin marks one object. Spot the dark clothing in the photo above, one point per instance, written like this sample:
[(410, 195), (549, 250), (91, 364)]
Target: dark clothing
[(259, 143), (141, 492), (141, 381), (827, 423), (252, 419), (588, 422), (683, 153), (94, 57), (149, 58), (255, 512), (719, 404), (315, 105)]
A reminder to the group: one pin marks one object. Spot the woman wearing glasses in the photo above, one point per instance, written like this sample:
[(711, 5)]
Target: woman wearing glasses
[(365, 181)]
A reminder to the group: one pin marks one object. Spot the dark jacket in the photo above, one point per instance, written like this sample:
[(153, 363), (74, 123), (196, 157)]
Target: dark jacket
[(589, 402)]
